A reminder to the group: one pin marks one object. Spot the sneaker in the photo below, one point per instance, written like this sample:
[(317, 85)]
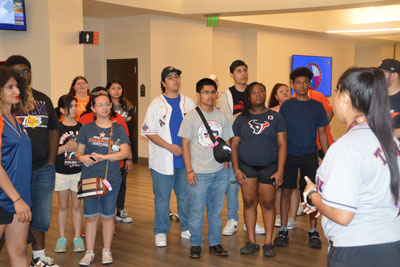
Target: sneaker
[(314, 240), (161, 240), (291, 224), (278, 220), (87, 259), (79, 246), (268, 250), (249, 248), (122, 216), (259, 229), (195, 252), (230, 227), (282, 239), (106, 256), (185, 234), (218, 250), (300, 210), (43, 262), (61, 245)]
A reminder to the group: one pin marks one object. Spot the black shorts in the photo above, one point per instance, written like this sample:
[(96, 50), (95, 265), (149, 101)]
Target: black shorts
[(5, 216), (262, 173), (387, 255), (308, 165)]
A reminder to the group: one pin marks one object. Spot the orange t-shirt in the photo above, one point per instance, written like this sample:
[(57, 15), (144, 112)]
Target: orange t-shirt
[(81, 106)]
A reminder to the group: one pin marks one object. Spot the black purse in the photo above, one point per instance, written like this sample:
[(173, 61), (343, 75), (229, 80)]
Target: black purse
[(221, 151)]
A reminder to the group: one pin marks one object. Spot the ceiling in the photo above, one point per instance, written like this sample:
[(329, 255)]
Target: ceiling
[(369, 19)]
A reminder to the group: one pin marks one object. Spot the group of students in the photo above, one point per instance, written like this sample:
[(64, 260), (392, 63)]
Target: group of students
[(356, 189), (58, 148)]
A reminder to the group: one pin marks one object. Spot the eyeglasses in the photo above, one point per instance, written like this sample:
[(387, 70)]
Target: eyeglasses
[(103, 105)]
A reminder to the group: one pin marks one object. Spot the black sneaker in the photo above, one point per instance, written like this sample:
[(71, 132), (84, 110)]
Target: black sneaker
[(282, 239), (219, 250), (195, 252), (314, 240), (43, 262), (268, 250), (249, 248)]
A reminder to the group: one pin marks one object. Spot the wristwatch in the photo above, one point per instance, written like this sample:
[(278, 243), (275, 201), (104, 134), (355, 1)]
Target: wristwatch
[(308, 194)]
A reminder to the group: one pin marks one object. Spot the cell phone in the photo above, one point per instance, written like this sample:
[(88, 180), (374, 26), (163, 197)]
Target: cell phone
[(92, 158), (273, 182)]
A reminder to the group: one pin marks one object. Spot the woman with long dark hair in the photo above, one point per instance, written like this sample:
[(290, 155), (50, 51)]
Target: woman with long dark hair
[(258, 159), (279, 94), (357, 185)]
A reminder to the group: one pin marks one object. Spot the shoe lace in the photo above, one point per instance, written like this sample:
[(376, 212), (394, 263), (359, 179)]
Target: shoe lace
[(47, 260), (124, 213)]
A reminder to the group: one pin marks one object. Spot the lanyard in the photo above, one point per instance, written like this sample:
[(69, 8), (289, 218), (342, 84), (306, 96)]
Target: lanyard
[(358, 120)]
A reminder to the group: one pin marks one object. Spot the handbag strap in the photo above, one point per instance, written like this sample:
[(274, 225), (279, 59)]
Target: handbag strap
[(109, 149), (206, 124)]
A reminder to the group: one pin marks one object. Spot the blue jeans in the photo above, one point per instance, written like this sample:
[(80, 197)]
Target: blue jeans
[(232, 192), (209, 191), (162, 187), (43, 181)]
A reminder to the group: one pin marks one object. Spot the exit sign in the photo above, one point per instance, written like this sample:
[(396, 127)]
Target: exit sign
[(212, 21)]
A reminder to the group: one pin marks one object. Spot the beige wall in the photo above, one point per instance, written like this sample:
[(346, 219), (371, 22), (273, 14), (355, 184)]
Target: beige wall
[(369, 54)]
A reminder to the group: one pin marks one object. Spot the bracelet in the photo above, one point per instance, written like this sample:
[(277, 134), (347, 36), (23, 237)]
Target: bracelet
[(129, 160), (189, 172), (17, 199), (309, 199)]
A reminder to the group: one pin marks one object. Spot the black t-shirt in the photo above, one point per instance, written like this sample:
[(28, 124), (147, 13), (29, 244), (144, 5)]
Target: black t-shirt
[(395, 109), (258, 137), (66, 162), (239, 100), (38, 123)]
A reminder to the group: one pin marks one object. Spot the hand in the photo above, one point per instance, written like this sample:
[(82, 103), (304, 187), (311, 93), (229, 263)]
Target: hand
[(99, 157), (72, 146), (309, 210), (85, 159), (191, 178), (278, 176), (128, 165), (240, 177), (22, 211), (129, 118), (175, 149), (309, 185)]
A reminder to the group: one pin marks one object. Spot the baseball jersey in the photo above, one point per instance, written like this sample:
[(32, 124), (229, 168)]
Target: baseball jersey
[(354, 176)]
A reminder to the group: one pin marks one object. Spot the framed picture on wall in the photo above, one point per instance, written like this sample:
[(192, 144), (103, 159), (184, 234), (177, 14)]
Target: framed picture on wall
[(321, 67)]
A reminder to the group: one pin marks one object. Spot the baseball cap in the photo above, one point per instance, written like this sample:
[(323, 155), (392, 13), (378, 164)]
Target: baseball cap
[(236, 64), (167, 70), (391, 65)]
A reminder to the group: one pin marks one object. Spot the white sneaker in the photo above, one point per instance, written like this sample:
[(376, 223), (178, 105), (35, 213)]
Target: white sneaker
[(300, 210), (278, 220), (161, 240), (259, 229), (291, 224), (230, 227), (87, 259), (107, 257), (123, 217), (185, 234)]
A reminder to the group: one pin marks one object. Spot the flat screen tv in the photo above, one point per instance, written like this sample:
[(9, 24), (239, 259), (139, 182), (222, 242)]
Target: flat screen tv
[(12, 15), (321, 68)]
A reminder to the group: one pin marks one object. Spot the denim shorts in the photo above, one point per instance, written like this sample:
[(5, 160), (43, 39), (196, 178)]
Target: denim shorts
[(104, 206), (43, 180)]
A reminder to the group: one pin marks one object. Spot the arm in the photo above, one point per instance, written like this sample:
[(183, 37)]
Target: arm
[(191, 175), (240, 176), (397, 132), (282, 153), (82, 157), (122, 154), (53, 146), (330, 115), (156, 139), (323, 139)]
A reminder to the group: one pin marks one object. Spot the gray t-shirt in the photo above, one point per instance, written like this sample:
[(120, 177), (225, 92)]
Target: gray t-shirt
[(201, 146)]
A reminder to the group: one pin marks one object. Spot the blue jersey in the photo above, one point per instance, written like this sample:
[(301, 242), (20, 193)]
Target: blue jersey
[(16, 159)]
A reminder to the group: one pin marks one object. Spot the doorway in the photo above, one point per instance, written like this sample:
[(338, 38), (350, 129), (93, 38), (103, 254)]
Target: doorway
[(126, 70)]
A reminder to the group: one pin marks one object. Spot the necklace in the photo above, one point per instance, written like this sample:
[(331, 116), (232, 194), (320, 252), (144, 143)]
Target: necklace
[(101, 132)]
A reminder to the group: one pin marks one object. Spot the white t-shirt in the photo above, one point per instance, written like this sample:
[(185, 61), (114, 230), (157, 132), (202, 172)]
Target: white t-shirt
[(355, 177)]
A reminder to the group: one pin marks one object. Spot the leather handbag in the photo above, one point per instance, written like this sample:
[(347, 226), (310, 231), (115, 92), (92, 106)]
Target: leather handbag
[(222, 151), (96, 186)]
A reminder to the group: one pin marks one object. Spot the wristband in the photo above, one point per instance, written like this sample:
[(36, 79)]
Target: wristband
[(129, 160), (189, 172), (307, 196), (17, 199)]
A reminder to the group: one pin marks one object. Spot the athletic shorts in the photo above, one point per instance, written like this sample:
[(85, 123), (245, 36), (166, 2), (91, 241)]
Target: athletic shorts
[(67, 181), (5, 217), (308, 165), (262, 173)]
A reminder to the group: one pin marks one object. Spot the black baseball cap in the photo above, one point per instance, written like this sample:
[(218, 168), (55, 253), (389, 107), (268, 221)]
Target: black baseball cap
[(236, 64), (391, 65), (167, 70)]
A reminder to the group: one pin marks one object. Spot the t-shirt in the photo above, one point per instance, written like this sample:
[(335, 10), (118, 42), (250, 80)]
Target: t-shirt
[(258, 137), (201, 145), (395, 109), (302, 119), (38, 123), (97, 139), (81, 104), (16, 159), (355, 177), (174, 124), (239, 100), (126, 113), (66, 162)]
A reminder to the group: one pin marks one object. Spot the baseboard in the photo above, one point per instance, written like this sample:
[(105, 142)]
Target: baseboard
[(143, 161)]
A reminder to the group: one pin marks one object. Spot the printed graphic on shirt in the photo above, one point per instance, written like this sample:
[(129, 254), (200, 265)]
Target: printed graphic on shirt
[(162, 121), (145, 127), (36, 118), (258, 127), (238, 107), (69, 157), (204, 138)]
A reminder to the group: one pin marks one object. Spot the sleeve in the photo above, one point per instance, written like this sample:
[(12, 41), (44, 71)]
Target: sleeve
[(130, 123), (339, 177), (53, 119), (1, 131), (82, 136), (322, 119), (282, 111), (281, 125), (186, 131), (223, 104), (150, 125), (237, 126), (120, 133), (227, 132), (120, 120), (325, 102)]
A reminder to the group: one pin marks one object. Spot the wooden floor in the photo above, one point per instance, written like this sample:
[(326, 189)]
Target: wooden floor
[(133, 244)]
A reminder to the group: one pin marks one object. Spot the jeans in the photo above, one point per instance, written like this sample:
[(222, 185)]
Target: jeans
[(232, 192), (122, 190), (209, 191), (43, 181), (162, 187)]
